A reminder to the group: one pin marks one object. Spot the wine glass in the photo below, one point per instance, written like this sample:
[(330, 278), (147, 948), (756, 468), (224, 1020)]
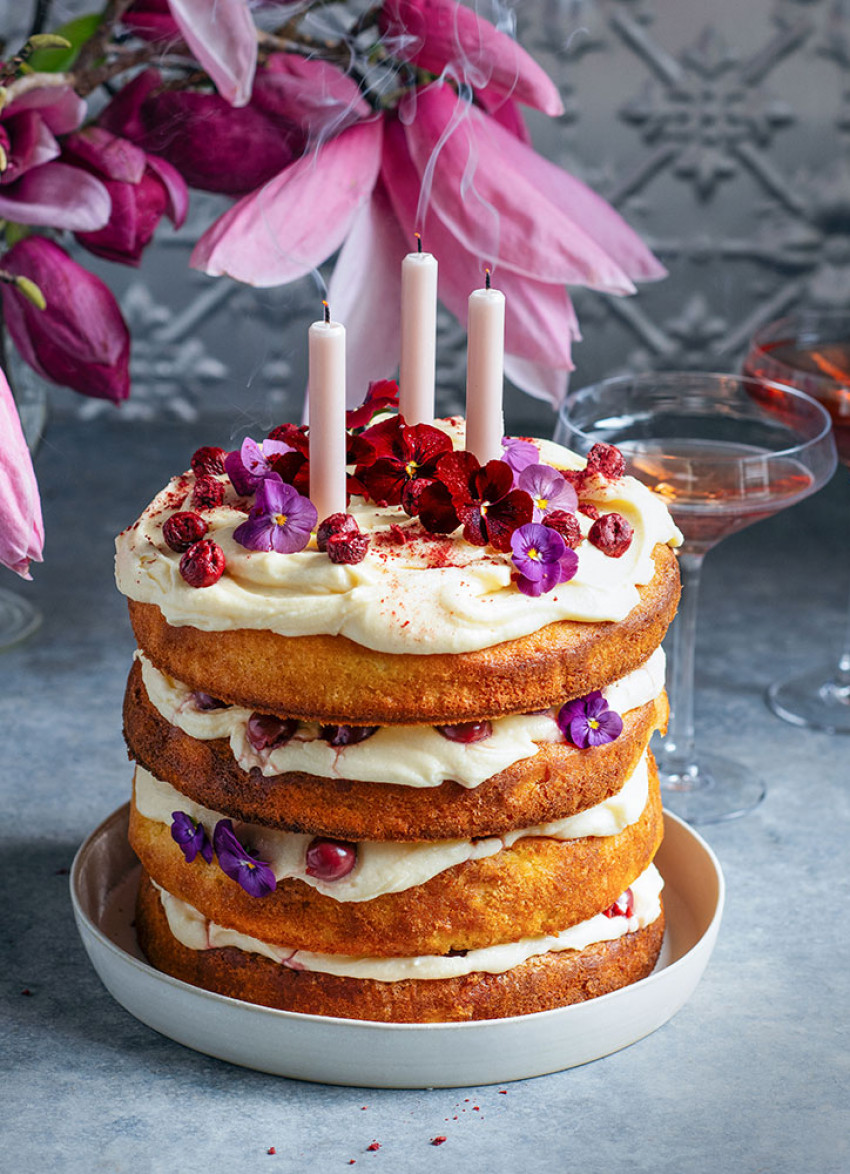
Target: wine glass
[(723, 451), (811, 351)]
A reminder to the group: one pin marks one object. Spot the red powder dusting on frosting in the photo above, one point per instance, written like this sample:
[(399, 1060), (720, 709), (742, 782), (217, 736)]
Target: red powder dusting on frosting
[(376, 1145), (438, 1140), (271, 1150)]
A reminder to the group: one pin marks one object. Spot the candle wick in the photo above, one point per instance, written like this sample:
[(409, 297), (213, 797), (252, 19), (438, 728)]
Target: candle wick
[(418, 242), (486, 278), (327, 311)]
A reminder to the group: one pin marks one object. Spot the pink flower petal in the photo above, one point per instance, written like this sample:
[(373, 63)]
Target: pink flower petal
[(222, 36), (57, 195), (506, 112), (175, 189), (365, 294), (479, 186), (540, 319), (113, 157), (21, 525), (443, 34), (295, 221), (311, 94), (56, 103)]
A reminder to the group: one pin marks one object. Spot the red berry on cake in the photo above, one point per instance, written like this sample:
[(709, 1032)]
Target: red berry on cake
[(347, 547), (208, 460), (183, 529), (624, 906), (566, 525), (612, 534), (203, 563), (330, 860), (466, 732), (607, 460), (208, 493), (266, 732), (335, 524)]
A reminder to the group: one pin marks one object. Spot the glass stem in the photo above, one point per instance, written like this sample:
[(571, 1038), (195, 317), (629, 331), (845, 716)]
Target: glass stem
[(843, 673), (678, 749)]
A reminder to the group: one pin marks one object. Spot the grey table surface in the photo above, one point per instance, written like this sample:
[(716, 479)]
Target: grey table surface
[(752, 1075)]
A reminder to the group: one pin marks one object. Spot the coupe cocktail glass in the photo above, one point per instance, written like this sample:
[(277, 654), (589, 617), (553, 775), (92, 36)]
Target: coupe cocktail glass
[(723, 451), (811, 351)]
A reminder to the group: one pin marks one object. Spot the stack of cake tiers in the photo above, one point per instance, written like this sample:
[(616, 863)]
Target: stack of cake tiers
[(393, 784)]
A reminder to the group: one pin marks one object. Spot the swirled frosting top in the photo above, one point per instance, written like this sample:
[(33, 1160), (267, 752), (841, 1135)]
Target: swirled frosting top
[(429, 594)]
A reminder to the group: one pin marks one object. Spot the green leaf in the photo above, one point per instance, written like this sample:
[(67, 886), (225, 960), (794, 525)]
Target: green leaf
[(76, 33)]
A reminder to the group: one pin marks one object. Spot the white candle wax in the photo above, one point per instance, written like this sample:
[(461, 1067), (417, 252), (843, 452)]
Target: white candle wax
[(485, 369), (326, 344), (418, 338)]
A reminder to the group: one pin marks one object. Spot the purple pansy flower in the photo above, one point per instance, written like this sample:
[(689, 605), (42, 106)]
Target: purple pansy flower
[(191, 837), (251, 464), (281, 519), (542, 558), (548, 490), (587, 721), (518, 455), (235, 861)]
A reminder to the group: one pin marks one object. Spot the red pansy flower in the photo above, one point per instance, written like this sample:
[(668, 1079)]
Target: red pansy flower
[(479, 498)]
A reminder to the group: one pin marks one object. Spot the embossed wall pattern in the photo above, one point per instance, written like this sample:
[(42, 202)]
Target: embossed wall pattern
[(719, 131)]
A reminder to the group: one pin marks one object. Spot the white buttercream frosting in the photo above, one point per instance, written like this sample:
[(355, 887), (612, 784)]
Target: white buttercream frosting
[(385, 866), (411, 756), (428, 595), (195, 932)]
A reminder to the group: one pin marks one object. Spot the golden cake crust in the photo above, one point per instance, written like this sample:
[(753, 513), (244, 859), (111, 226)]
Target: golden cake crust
[(555, 783), (539, 886), (540, 984), (331, 679)]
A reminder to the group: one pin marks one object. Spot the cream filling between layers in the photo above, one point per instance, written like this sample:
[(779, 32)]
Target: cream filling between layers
[(195, 932), (433, 594), (391, 867), (409, 756)]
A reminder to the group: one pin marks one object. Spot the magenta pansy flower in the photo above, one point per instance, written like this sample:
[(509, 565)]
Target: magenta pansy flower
[(587, 721), (542, 558), (235, 861), (548, 490), (280, 521), (518, 455)]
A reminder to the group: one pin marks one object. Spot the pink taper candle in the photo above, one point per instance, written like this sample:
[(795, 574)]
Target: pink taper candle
[(418, 337), (327, 416), (485, 373)]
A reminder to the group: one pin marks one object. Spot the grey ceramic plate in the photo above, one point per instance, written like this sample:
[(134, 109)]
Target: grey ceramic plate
[(378, 1055)]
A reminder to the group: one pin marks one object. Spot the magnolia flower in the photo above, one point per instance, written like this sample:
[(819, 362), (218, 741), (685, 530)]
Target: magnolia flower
[(222, 36), (142, 189), (21, 526), (80, 340), (384, 178), (35, 187)]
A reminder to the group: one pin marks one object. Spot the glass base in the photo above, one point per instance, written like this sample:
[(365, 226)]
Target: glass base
[(714, 789), (818, 699), (18, 619)]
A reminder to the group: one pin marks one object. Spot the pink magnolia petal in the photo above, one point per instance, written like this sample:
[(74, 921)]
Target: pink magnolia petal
[(59, 196), (295, 221), (480, 188), (312, 94), (537, 380), (175, 189), (440, 34), (365, 294), (113, 157), (31, 143), (222, 36), (21, 525), (540, 319), (506, 112), (54, 100)]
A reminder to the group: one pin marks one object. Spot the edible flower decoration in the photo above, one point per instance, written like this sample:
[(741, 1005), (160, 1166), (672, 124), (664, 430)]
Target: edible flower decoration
[(403, 462), (479, 498), (588, 721), (235, 861), (381, 396), (519, 454), (253, 463), (191, 837), (281, 519), (542, 558), (548, 490)]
